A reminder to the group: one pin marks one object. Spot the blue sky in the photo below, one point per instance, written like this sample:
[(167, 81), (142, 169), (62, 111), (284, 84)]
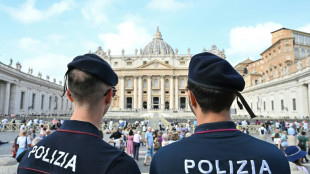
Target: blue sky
[(46, 35)]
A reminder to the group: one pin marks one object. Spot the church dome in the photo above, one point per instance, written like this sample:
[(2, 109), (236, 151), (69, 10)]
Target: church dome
[(157, 46)]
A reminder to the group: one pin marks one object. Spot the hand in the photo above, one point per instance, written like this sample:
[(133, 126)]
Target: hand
[(148, 147)]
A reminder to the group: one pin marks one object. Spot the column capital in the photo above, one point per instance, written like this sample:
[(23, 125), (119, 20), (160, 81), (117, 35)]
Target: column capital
[(140, 77), (162, 76), (121, 77)]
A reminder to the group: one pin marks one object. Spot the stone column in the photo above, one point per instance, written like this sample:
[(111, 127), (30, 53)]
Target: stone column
[(149, 92), (7, 98), (135, 92), (140, 93), (122, 97), (176, 92), (307, 101), (162, 92), (171, 105)]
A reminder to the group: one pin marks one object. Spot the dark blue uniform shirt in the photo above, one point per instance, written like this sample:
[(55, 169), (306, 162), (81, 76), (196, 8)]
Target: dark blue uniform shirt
[(219, 148), (76, 147)]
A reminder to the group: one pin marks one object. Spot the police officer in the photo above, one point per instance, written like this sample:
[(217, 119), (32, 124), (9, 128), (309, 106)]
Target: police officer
[(217, 146), (77, 146)]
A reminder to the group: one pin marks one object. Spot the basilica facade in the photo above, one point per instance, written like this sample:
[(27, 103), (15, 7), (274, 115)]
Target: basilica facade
[(153, 78)]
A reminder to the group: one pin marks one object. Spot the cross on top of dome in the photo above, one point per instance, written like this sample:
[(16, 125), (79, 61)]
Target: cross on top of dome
[(157, 34)]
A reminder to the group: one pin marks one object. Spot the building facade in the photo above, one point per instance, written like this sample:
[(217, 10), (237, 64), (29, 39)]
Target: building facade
[(154, 78), (277, 85), (23, 93)]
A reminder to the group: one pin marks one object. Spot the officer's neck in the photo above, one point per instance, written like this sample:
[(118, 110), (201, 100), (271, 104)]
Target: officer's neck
[(212, 117), (93, 116)]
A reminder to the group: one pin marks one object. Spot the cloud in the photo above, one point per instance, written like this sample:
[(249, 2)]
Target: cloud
[(129, 37), (28, 13), (305, 28), (250, 41), (94, 11), (31, 45), (54, 65), (55, 38), (167, 5)]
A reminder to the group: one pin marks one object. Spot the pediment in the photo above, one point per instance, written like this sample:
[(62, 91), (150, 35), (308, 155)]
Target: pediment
[(155, 64)]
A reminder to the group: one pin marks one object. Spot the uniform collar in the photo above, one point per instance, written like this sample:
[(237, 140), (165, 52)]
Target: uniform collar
[(215, 126), (79, 127)]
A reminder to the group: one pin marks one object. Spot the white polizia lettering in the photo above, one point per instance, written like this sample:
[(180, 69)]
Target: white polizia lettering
[(243, 164), (218, 170), (209, 166), (264, 167), (56, 157), (186, 165), (225, 166)]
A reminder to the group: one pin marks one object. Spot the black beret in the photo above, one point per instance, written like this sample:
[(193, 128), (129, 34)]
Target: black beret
[(210, 71), (96, 66)]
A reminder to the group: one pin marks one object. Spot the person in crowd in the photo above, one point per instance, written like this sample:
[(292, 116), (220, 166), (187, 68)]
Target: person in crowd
[(22, 127), (77, 143), (33, 142), (291, 131), (302, 142), (217, 146), (47, 133), (149, 145), (174, 138), (160, 138), (165, 141), (130, 143), (283, 141), (277, 132), (294, 155), (156, 144), (137, 139), (23, 142)]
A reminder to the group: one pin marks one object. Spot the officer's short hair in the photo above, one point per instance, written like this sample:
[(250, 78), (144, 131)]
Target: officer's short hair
[(85, 87), (211, 99)]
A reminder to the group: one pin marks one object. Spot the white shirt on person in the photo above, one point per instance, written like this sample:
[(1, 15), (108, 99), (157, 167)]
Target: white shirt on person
[(22, 127), (137, 138), (21, 141)]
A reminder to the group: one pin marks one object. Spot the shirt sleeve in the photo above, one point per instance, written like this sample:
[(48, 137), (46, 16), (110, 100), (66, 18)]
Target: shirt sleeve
[(124, 162), (153, 167), (28, 140)]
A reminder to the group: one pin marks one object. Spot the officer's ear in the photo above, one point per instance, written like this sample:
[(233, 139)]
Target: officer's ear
[(108, 97), (69, 95), (193, 100)]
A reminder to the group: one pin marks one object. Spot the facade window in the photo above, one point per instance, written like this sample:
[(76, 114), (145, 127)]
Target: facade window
[(167, 62), (264, 106), (115, 63), (297, 52), (182, 83), (294, 104), (166, 83), (272, 105), (144, 62), (302, 53), (67, 104), (129, 84), (22, 99), (129, 63), (33, 101), (182, 62), (62, 104), (155, 82), (144, 83), (50, 103), (307, 40), (42, 101), (282, 105), (287, 48)]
